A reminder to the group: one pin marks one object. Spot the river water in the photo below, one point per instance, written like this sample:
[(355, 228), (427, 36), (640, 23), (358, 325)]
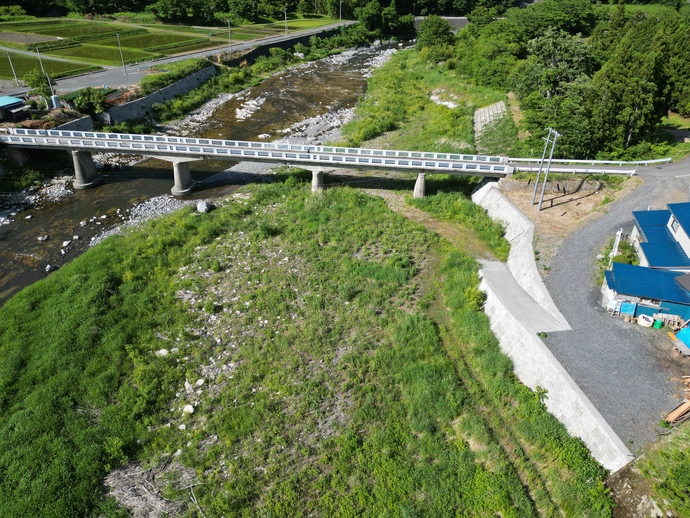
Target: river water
[(320, 91)]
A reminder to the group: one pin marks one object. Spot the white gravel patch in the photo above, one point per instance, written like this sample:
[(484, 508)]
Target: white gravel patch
[(145, 211)]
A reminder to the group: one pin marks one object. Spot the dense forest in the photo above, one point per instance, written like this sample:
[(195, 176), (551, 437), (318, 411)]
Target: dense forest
[(602, 76)]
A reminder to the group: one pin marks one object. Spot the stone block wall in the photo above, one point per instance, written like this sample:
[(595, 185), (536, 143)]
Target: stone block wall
[(520, 234), (536, 366), (141, 108)]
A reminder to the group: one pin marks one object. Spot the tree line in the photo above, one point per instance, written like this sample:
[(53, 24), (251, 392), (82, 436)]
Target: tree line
[(602, 78)]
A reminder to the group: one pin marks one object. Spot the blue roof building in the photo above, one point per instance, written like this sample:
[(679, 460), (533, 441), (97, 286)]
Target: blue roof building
[(662, 237), (652, 291)]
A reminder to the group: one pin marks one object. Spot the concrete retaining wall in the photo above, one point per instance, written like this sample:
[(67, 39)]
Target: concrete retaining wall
[(141, 108), (535, 366), (83, 124), (520, 233)]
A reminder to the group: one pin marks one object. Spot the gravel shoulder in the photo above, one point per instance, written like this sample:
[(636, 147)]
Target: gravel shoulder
[(627, 371)]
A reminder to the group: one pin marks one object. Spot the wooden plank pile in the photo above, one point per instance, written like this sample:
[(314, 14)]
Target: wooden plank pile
[(682, 411)]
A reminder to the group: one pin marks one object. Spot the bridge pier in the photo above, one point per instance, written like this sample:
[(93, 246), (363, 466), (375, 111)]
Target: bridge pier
[(183, 179), (317, 182), (85, 174), (420, 186)]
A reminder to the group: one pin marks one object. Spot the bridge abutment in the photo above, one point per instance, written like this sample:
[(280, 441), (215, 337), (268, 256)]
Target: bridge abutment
[(85, 174), (420, 186)]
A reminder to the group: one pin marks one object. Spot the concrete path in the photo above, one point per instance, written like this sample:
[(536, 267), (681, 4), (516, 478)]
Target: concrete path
[(624, 369), (516, 300)]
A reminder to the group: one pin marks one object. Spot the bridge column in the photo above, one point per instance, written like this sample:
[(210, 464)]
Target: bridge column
[(85, 174), (420, 186), (317, 181), (183, 179)]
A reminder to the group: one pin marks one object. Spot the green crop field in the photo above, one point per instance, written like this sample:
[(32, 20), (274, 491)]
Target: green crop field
[(153, 39), (71, 30), (25, 64), (102, 55)]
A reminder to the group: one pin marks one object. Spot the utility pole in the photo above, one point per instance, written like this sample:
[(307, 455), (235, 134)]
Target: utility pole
[(286, 24), (122, 57), (541, 164), (555, 134), (16, 81), (40, 60), (229, 38)]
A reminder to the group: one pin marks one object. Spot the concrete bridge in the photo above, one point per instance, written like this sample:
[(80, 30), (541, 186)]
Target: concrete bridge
[(180, 151)]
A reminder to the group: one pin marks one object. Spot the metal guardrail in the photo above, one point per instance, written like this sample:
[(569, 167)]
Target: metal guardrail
[(619, 163), (576, 170), (258, 151)]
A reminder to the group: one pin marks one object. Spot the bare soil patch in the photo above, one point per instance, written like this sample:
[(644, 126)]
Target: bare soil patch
[(631, 491), (567, 205)]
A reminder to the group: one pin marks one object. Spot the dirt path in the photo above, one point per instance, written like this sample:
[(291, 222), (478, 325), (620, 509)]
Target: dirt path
[(460, 237)]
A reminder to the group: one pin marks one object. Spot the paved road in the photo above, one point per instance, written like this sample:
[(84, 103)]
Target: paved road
[(116, 77), (624, 369)]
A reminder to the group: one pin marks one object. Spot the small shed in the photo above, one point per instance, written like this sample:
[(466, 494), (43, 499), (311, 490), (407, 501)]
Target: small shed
[(649, 291), (10, 107)]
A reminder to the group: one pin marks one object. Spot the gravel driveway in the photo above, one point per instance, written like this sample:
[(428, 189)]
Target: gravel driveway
[(624, 369)]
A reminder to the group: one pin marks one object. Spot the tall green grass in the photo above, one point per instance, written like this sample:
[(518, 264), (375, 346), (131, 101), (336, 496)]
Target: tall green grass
[(456, 207), (339, 396), (399, 97)]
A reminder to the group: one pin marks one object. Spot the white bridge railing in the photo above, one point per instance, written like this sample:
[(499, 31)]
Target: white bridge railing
[(169, 146), (161, 145)]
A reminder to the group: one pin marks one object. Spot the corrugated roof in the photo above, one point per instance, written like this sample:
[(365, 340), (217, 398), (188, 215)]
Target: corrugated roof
[(652, 217), (665, 253), (650, 221), (682, 213), (660, 248), (638, 281), (7, 100)]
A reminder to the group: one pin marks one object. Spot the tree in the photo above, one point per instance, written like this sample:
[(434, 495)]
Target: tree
[(90, 101), (434, 31), (39, 83), (370, 16), (559, 59), (630, 98)]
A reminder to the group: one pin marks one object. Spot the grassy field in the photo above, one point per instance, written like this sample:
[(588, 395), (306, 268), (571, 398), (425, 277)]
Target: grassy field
[(399, 104), (24, 64), (99, 54), (346, 367)]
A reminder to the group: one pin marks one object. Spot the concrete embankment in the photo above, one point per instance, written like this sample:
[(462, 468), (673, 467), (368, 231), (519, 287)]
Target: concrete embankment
[(519, 307)]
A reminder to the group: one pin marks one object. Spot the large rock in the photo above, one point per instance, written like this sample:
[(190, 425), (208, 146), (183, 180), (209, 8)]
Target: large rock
[(203, 206)]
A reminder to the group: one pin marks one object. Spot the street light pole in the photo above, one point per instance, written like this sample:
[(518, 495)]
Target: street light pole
[(340, 15), (286, 24), (122, 57), (16, 81)]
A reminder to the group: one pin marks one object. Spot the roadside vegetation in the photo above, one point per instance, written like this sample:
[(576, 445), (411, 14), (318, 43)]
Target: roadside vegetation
[(665, 466), (333, 382)]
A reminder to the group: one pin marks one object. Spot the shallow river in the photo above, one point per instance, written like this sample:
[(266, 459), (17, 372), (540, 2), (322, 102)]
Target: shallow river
[(265, 112)]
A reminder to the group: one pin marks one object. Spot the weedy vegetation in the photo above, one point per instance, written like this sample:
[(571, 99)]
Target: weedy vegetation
[(311, 338)]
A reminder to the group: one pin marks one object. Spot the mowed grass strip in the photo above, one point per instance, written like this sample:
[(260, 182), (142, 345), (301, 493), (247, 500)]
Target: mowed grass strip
[(327, 390)]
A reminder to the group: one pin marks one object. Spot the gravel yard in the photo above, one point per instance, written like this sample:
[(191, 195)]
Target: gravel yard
[(628, 372)]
